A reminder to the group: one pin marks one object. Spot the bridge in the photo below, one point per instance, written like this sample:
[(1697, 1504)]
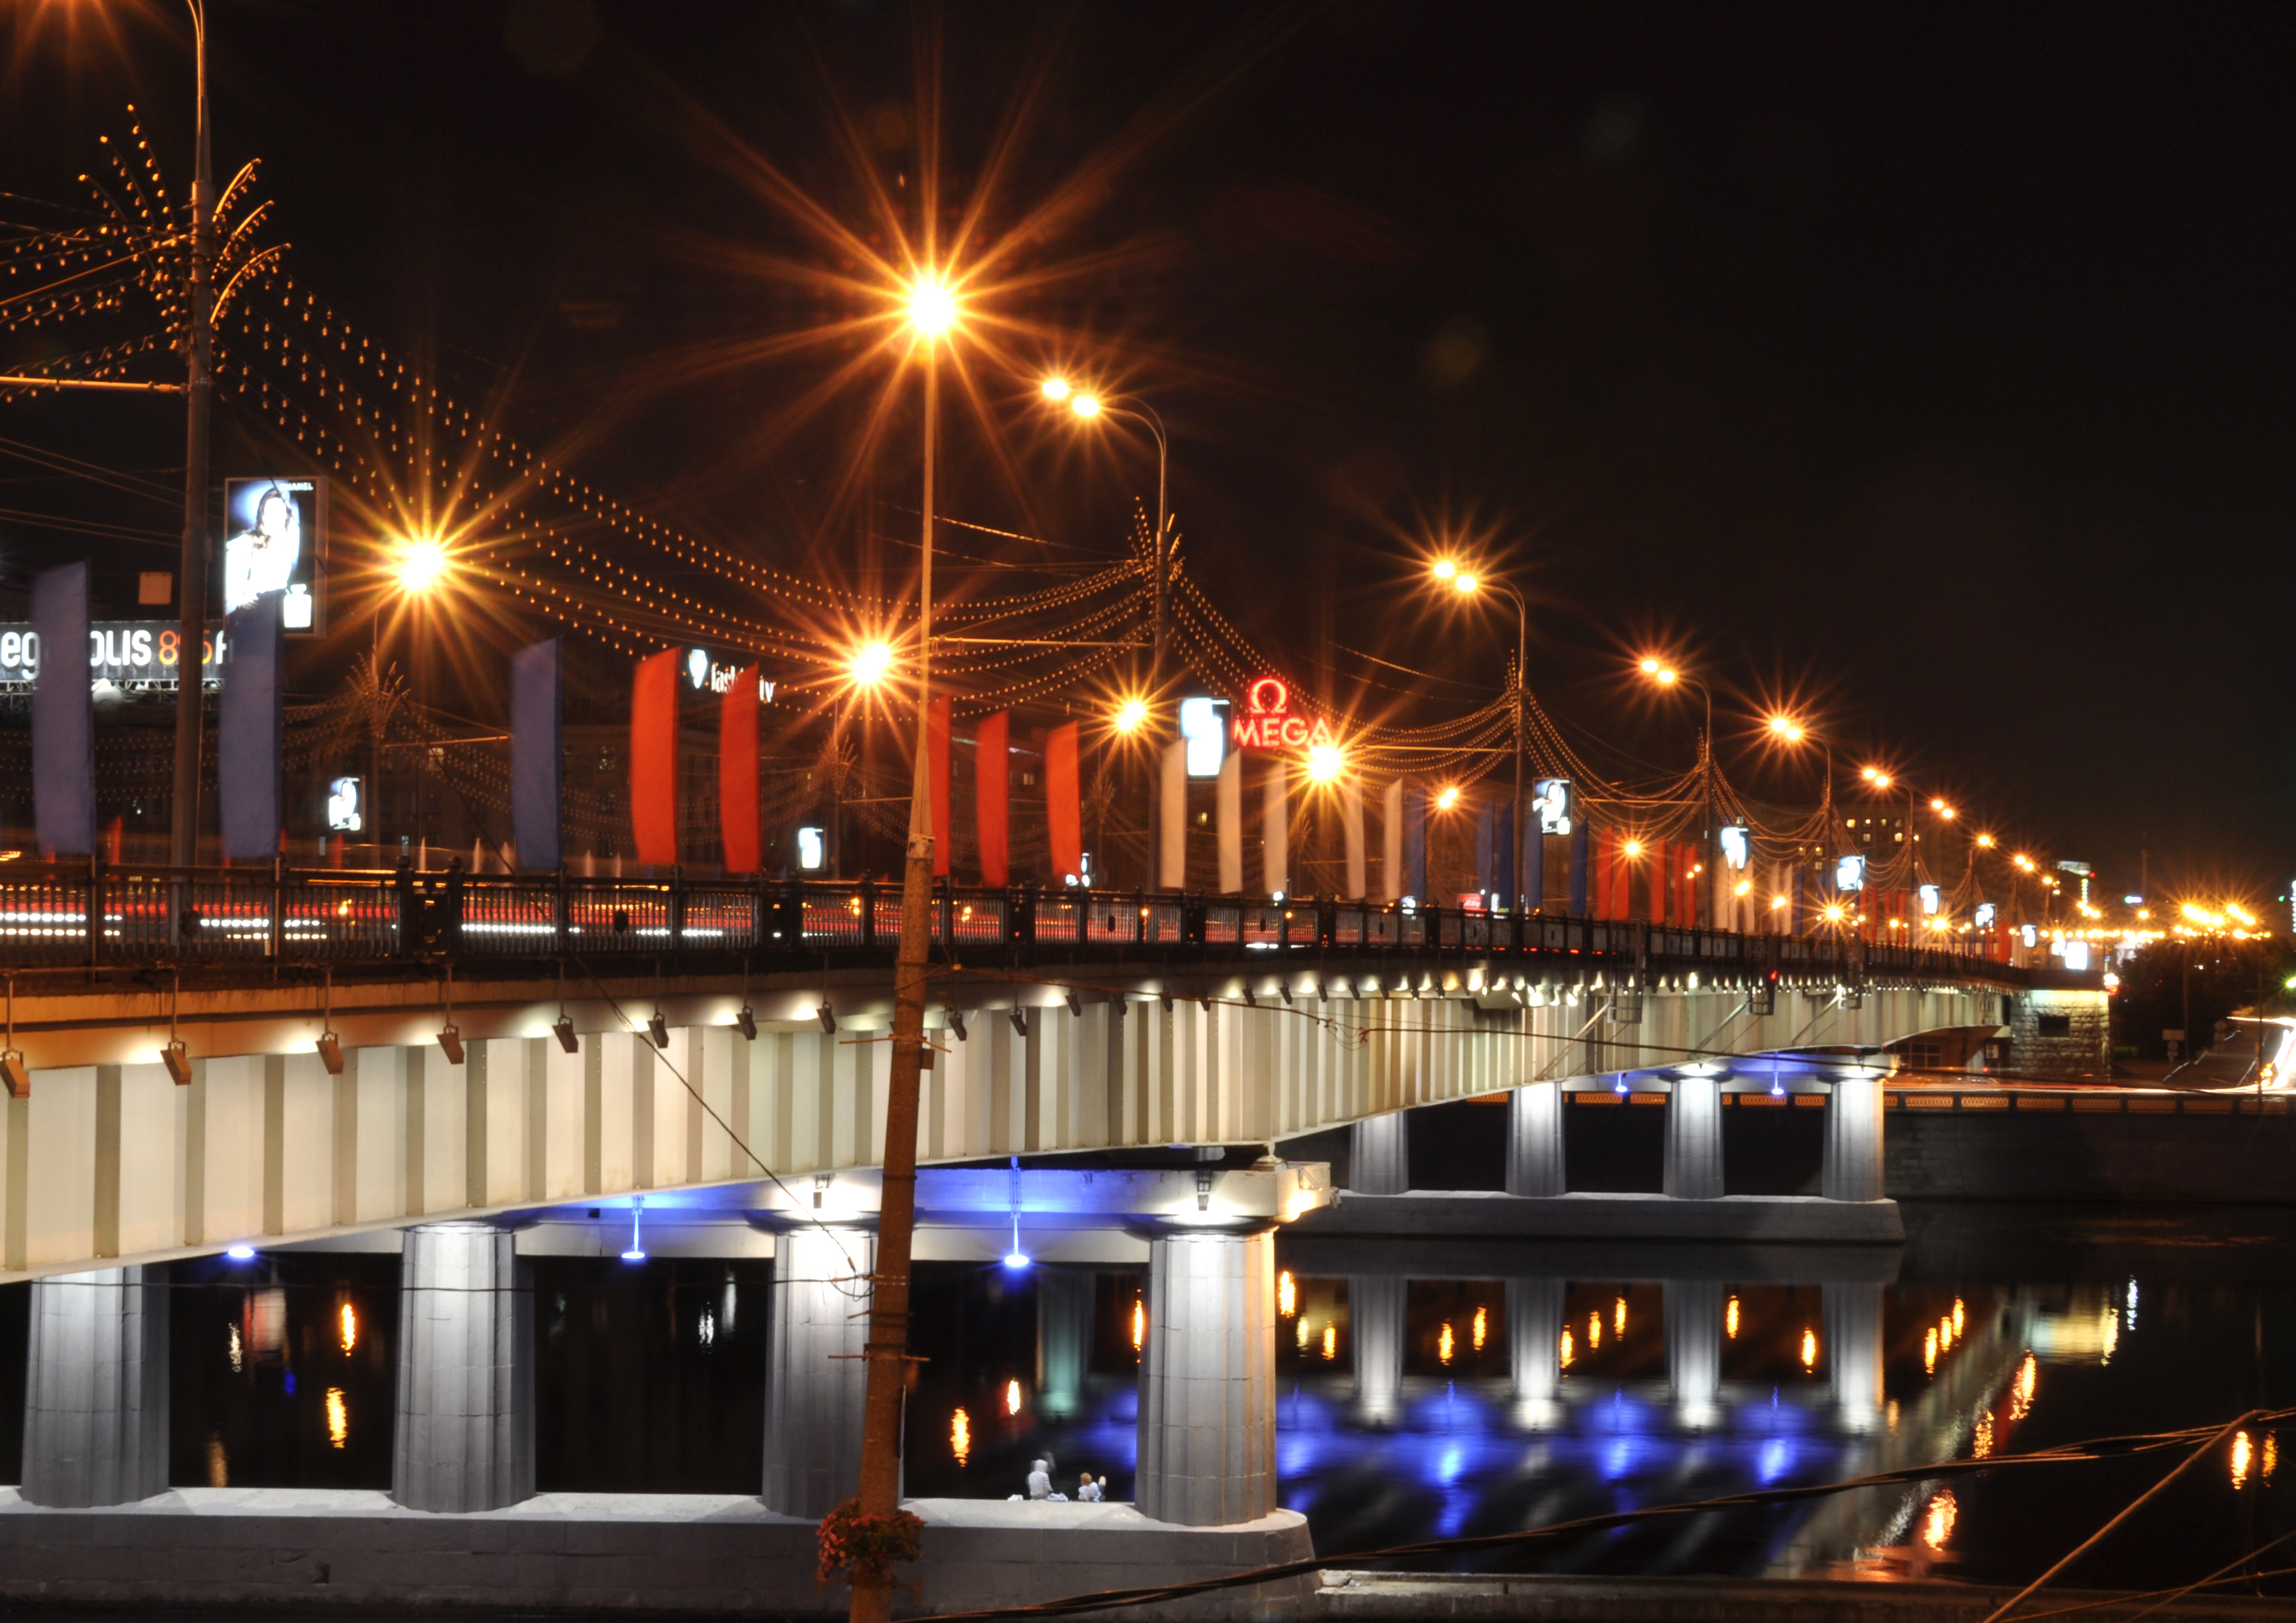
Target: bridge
[(201, 1058)]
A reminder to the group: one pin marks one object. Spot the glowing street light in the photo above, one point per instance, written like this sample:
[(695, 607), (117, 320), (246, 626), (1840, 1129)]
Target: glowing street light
[(870, 663), (1325, 763), (1132, 714), (1446, 798), (1875, 777), (1786, 728), (1665, 676), (1985, 842), (1446, 570), (420, 565), (1056, 388), (1085, 406), (931, 306)]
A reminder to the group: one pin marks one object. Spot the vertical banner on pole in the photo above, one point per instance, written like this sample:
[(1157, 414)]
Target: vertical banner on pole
[(1503, 886), (1172, 821), (1486, 832), (538, 752), (1275, 831), (1230, 818), (992, 792), (1064, 803), (739, 829), (248, 722), (1390, 841), (940, 716), (1796, 901), (1415, 841), (1351, 835), (1580, 836), (63, 715), (1623, 869), (653, 759), (1534, 865)]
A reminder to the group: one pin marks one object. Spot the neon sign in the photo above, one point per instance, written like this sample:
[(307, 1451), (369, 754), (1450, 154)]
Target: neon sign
[(1267, 722)]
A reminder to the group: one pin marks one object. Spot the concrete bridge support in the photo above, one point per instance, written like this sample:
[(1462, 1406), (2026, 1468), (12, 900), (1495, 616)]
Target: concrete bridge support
[(1534, 1163), (1535, 1350), (464, 1435), (1379, 1156), (1853, 1351), (1693, 1139), (1852, 1166), (95, 1389), (1207, 1379), (815, 1375), (1063, 1338), (1376, 1324), (1693, 1350)]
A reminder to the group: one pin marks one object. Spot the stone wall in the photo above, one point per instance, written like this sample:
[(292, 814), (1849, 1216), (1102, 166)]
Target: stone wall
[(2060, 1032), (2043, 1151)]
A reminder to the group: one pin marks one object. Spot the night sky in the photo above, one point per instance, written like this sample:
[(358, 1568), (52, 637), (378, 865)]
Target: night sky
[(1922, 366)]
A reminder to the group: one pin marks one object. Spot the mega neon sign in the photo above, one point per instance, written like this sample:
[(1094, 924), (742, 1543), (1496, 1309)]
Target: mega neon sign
[(1267, 722)]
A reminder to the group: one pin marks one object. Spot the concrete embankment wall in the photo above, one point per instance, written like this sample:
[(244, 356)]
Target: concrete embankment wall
[(2093, 1148)]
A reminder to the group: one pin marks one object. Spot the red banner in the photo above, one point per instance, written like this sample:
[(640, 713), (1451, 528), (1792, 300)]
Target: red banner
[(992, 781), (737, 774), (653, 758), (1063, 803), (939, 716)]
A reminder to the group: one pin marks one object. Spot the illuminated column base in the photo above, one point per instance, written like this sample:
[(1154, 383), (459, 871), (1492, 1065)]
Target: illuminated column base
[(1063, 1338), (1693, 1350), (1534, 1164), (815, 1379), (1853, 1352), (1693, 1139), (1207, 1379), (95, 1389), (1852, 1170), (463, 1435), (1379, 1157), (1534, 1349)]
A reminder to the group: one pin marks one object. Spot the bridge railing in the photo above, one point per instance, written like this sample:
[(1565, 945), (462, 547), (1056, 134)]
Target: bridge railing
[(66, 915)]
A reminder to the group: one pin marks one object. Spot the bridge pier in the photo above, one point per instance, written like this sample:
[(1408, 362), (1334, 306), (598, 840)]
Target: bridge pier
[(1208, 1378), (1063, 1338), (1375, 1330), (1693, 1350), (815, 1378), (1853, 1350), (1534, 1349), (1534, 1163), (463, 1438), (1693, 1139), (1852, 1166), (95, 1389), (1378, 1155)]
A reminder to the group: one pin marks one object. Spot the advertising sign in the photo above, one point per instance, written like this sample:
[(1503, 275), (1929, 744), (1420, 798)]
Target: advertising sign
[(1267, 722), (275, 541), (347, 805), (1737, 846), (1986, 913), (1849, 874), (1551, 802), (1932, 898), (711, 673), (129, 656)]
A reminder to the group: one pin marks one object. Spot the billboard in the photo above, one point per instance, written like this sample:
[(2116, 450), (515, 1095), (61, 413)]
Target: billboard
[(1932, 898), (1849, 874), (123, 656), (1203, 725), (708, 672), (1551, 804), (1985, 915), (346, 805), (275, 541), (1737, 846)]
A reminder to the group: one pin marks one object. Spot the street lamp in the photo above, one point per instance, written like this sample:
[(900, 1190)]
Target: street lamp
[(1667, 675), (1466, 583), (198, 397), (421, 566), (1085, 406)]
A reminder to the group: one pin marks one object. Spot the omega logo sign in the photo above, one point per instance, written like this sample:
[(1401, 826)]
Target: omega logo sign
[(1267, 722)]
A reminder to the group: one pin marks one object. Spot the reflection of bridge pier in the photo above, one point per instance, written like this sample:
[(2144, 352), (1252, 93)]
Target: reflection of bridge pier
[(1063, 1338), (1693, 1351), (1376, 1314), (1534, 1349)]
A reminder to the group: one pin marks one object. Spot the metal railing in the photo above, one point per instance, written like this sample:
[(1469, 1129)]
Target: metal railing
[(92, 915)]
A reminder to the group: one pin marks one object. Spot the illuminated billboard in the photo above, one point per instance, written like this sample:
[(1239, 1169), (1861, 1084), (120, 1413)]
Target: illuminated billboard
[(1203, 725), (1551, 803), (276, 541), (707, 672), (123, 656), (1932, 898), (1849, 874), (1737, 846), (1986, 913), (346, 805)]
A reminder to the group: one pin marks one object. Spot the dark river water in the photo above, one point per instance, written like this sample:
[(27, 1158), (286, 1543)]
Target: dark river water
[(2002, 1330)]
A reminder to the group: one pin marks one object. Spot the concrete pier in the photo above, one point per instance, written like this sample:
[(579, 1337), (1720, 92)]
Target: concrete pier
[(1534, 1163), (95, 1389), (1207, 1379), (815, 1376), (463, 1438), (1378, 1159), (1693, 1139), (1852, 1166)]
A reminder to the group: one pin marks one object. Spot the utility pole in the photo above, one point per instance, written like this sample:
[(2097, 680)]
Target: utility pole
[(191, 631)]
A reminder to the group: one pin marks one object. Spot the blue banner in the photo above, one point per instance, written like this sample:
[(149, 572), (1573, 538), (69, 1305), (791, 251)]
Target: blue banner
[(63, 716), (1414, 842), (248, 732), (537, 753), (1578, 867)]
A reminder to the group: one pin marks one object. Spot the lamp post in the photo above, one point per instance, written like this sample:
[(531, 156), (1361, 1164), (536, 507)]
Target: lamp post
[(191, 631), (1468, 585), (932, 313), (1667, 676), (1087, 407)]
